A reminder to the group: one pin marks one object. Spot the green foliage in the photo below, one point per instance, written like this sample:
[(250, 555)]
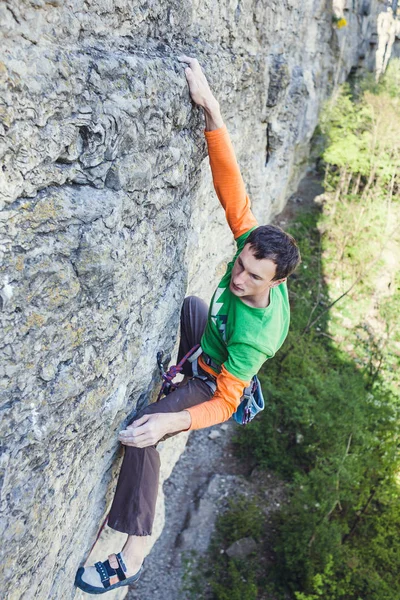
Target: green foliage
[(236, 582), (243, 519), (348, 129), (369, 567), (389, 84), (363, 136)]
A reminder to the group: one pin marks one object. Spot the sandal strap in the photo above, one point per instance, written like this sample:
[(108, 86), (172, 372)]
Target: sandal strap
[(103, 572), (118, 565), (123, 566), (108, 575)]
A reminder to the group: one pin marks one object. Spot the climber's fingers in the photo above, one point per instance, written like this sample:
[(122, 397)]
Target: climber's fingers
[(136, 438), (193, 67), (192, 62), (138, 422), (146, 431), (198, 85), (143, 442)]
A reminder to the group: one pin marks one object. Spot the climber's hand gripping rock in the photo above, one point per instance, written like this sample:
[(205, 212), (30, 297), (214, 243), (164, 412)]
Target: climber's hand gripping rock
[(198, 85), (150, 429), (201, 93)]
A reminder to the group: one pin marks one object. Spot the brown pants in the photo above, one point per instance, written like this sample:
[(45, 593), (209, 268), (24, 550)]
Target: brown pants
[(134, 503)]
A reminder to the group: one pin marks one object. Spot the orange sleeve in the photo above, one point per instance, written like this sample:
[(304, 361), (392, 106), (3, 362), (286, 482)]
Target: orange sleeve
[(228, 182), (222, 405)]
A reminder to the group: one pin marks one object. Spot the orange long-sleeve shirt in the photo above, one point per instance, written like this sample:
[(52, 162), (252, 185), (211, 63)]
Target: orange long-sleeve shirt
[(230, 189), (228, 182)]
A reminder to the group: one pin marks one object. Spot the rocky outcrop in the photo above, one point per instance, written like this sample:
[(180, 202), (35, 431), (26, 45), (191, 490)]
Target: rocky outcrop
[(108, 218)]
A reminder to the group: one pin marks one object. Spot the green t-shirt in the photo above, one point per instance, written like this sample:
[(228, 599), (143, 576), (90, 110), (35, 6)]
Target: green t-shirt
[(242, 337)]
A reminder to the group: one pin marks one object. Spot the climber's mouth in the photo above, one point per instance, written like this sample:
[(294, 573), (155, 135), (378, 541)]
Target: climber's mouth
[(236, 288)]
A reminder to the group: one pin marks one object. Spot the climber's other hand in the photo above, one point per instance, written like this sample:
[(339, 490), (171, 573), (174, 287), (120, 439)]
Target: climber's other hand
[(149, 429), (146, 431)]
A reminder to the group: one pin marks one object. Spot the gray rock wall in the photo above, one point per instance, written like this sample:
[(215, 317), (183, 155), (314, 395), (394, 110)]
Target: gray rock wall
[(107, 220)]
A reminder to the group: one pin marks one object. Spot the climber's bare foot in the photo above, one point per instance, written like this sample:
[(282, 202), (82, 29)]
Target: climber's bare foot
[(134, 552)]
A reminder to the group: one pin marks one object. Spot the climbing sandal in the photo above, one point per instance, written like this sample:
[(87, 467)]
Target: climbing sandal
[(112, 574)]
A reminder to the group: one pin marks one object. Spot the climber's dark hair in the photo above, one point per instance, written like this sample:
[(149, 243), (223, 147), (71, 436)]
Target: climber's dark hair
[(269, 241)]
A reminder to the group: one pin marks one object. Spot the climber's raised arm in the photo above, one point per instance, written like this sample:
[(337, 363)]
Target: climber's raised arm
[(228, 182)]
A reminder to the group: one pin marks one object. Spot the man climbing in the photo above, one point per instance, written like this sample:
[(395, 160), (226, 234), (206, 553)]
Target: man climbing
[(246, 324)]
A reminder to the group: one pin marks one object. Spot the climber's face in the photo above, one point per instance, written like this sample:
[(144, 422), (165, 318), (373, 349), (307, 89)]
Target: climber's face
[(252, 278)]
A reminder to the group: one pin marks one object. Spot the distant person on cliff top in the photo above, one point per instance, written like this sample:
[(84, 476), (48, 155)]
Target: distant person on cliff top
[(246, 324)]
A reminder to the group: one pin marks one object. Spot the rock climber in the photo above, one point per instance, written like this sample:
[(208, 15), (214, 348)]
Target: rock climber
[(246, 324)]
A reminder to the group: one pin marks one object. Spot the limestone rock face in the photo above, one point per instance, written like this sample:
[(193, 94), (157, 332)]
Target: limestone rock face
[(108, 219)]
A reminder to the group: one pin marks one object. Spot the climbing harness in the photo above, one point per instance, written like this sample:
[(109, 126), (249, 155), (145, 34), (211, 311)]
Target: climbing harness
[(167, 376), (252, 401)]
